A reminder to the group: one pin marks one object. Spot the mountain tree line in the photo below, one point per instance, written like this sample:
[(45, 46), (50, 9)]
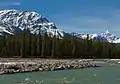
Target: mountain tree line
[(42, 46)]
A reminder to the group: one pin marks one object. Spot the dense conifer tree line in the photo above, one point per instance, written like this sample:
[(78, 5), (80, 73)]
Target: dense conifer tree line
[(28, 46)]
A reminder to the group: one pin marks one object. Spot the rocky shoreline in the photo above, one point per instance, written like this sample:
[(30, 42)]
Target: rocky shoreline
[(10, 66)]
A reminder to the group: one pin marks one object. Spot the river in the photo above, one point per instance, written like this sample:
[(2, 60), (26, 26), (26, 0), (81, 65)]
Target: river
[(108, 74)]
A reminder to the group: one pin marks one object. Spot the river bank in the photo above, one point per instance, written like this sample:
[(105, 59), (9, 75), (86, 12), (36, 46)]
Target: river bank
[(10, 66), (102, 75)]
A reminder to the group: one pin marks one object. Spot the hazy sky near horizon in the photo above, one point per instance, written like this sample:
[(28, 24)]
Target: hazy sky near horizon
[(83, 16)]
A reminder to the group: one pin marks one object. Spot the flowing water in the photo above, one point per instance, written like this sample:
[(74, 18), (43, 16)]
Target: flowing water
[(108, 74)]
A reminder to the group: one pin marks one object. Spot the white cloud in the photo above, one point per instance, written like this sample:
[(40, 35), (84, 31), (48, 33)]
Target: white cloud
[(5, 4)]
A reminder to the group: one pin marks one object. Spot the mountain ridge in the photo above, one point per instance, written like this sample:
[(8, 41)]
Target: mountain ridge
[(103, 37), (14, 21)]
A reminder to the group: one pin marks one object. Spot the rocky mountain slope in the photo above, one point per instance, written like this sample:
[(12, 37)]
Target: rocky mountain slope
[(14, 22), (103, 37)]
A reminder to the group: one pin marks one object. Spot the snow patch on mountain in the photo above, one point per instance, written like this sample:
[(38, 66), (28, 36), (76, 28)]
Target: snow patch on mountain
[(103, 37), (13, 22)]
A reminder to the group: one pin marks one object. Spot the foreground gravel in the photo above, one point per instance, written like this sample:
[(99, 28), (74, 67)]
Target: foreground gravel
[(9, 66)]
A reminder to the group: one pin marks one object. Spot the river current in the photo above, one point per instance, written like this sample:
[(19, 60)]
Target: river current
[(107, 74)]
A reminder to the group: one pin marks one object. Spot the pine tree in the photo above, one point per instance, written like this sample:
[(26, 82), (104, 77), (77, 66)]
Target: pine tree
[(73, 47), (4, 46), (43, 46), (38, 42), (21, 47), (53, 47), (29, 45), (57, 48)]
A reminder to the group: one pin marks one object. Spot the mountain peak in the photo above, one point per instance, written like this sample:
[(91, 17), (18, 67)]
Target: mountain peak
[(103, 37), (15, 21), (107, 32)]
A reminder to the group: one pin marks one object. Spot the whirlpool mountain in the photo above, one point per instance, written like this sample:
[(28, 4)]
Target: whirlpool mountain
[(13, 22)]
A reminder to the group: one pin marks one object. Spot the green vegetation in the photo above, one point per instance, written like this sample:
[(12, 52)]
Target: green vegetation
[(28, 45)]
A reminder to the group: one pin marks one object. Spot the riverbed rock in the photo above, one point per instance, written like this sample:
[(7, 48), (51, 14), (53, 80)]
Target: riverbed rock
[(42, 65)]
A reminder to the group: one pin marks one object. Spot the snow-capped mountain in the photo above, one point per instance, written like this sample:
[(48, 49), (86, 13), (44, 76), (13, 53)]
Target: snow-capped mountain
[(103, 37), (14, 22)]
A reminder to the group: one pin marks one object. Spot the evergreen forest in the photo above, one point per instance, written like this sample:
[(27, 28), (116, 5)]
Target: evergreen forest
[(29, 45)]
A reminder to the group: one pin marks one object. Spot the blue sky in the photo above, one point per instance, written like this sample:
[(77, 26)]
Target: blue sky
[(83, 16)]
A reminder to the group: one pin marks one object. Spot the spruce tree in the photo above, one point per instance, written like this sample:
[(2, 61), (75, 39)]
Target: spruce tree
[(43, 46), (53, 47)]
